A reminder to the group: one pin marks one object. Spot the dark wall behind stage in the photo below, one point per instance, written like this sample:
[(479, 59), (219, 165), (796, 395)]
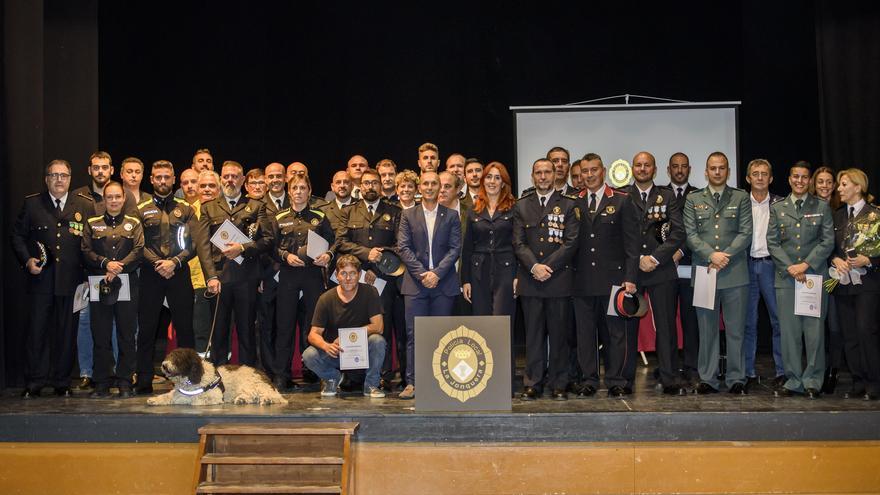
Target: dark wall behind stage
[(317, 82)]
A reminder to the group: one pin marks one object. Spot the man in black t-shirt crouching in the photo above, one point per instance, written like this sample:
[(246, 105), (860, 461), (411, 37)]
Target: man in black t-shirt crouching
[(349, 305)]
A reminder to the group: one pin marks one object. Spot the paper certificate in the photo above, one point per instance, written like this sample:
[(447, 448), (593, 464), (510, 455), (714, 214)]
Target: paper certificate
[(354, 355), (124, 289), (704, 287), (228, 232), (315, 245), (81, 297), (611, 311), (684, 271), (808, 297)]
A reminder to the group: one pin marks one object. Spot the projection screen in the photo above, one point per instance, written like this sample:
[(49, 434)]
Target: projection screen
[(621, 131)]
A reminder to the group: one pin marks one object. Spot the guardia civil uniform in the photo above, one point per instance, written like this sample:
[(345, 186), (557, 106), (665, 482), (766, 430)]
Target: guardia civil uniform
[(721, 221), (800, 230)]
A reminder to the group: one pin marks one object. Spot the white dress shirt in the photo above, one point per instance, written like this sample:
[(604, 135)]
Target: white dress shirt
[(760, 221), (430, 220), (62, 198)]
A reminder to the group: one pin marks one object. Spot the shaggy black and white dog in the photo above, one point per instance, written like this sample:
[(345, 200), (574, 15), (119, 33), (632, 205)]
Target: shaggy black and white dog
[(198, 383)]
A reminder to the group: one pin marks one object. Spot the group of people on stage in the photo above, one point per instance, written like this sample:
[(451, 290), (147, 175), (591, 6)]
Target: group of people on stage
[(453, 242)]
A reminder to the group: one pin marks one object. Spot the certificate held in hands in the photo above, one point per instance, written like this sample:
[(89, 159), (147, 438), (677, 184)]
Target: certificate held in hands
[(227, 233), (355, 353)]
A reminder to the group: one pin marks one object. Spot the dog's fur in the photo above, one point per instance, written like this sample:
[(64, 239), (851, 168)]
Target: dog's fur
[(188, 371)]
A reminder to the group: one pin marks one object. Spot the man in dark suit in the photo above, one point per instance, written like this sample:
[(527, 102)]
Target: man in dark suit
[(679, 170), (655, 218), (369, 227), (429, 243), (239, 280), (607, 256), (46, 240), (545, 231)]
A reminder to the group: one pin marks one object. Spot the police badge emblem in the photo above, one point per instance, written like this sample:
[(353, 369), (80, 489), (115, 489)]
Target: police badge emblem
[(315, 222), (386, 217), (78, 216), (177, 213), (462, 364), (128, 227)]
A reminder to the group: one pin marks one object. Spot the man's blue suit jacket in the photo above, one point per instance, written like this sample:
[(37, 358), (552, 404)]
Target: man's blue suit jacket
[(412, 245)]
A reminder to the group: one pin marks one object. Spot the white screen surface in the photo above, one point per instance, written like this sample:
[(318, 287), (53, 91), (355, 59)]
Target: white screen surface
[(620, 131)]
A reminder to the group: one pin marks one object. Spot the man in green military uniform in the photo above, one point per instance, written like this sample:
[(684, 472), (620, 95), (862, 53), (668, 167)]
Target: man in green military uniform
[(800, 237), (718, 221)]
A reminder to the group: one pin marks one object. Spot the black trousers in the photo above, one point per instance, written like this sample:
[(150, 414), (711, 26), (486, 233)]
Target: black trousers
[(267, 323), (238, 297), (292, 280), (542, 316), (663, 298), (203, 315), (154, 290), (861, 339), (394, 324), (495, 298), (50, 344), (102, 317), (620, 348), (690, 330), (833, 336)]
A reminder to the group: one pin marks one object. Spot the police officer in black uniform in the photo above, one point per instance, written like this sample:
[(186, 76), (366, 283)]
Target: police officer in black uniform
[(54, 219), (545, 233), (276, 200), (367, 228), (171, 233), (238, 281), (113, 245), (655, 219), (299, 272), (607, 256)]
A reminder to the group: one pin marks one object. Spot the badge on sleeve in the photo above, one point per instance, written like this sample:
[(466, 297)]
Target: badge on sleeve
[(78, 216), (315, 222), (177, 213), (128, 227), (610, 209)]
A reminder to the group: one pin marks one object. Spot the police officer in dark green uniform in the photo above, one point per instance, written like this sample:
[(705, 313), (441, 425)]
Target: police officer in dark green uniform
[(800, 238), (718, 222)]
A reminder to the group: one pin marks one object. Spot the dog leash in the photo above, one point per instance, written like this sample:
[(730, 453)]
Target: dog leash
[(213, 321)]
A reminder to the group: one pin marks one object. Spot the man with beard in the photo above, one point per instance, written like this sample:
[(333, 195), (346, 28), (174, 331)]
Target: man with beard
[(239, 280), (341, 189), (473, 174), (171, 238), (718, 222), (429, 157), (679, 171), (559, 157), (655, 220), (100, 170), (368, 228)]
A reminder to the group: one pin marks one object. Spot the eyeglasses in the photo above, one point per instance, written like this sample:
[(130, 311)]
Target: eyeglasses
[(370, 183), (348, 274), (58, 176), (256, 183)]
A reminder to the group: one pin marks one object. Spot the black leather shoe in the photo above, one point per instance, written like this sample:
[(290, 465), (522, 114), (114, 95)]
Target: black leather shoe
[(560, 394), (385, 385), (143, 390), (30, 393), (752, 380), (124, 393), (100, 393), (830, 382), (854, 394), (783, 392), (779, 381), (573, 388), (616, 392), (812, 393), (704, 388), (84, 383), (674, 390), (63, 392), (738, 389), (870, 396), (586, 391), (529, 393), (628, 390)]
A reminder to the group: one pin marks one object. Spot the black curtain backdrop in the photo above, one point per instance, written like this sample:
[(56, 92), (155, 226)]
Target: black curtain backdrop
[(316, 82)]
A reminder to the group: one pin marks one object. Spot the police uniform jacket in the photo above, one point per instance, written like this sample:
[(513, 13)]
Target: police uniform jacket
[(566, 189), (488, 243), (843, 235), (172, 236), (131, 203), (794, 237), (607, 253), (60, 234), (249, 216), (291, 229), (725, 226), (334, 213), (660, 231), (358, 233), (546, 235), (109, 238), (685, 250)]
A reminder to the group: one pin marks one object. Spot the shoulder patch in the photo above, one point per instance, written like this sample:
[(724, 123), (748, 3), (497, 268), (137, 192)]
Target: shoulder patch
[(527, 194), (145, 203), (281, 214), (95, 219), (318, 212), (182, 201), (569, 196), (34, 195), (618, 191), (86, 196), (390, 203), (133, 219)]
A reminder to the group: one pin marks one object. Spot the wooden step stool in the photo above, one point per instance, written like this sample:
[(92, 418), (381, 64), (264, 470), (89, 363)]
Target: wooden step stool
[(274, 458)]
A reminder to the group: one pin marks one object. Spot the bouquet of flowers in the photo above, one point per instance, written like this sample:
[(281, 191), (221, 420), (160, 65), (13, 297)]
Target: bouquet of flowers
[(865, 236)]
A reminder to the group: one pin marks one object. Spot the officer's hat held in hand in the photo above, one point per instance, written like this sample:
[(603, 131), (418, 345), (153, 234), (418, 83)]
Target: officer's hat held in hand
[(108, 292), (630, 305), (390, 264)]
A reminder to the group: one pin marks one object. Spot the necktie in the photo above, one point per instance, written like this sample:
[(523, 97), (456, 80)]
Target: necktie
[(592, 202), (57, 206), (231, 204), (644, 197), (370, 210), (543, 201), (678, 194), (852, 213), (717, 197), (798, 204), (278, 202)]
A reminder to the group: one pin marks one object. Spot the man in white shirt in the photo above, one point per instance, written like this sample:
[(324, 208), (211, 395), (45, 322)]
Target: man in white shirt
[(761, 269)]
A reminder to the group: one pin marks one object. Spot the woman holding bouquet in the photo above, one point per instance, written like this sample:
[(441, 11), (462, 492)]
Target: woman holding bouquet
[(857, 252)]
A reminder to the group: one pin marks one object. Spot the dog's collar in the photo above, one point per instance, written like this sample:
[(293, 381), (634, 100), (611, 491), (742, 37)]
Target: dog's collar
[(217, 383)]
